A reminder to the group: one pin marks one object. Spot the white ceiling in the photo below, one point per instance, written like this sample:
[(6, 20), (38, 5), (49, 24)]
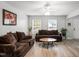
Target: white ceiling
[(36, 7)]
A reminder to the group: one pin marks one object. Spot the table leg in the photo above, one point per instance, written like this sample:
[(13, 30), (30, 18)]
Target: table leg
[(45, 45), (48, 44)]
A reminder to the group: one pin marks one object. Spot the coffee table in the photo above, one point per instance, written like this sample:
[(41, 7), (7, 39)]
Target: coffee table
[(48, 41)]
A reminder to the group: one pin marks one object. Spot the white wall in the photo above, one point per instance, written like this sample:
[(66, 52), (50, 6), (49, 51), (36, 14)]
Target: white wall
[(73, 14), (69, 28), (44, 20), (21, 20), (61, 22), (73, 30), (73, 18)]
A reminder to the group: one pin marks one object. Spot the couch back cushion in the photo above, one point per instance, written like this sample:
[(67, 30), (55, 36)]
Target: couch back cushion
[(15, 35), (43, 32), (53, 32), (47, 32), (20, 35), (8, 39), (2, 40)]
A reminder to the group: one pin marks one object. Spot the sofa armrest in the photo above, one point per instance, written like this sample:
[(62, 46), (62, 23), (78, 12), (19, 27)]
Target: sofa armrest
[(27, 37), (6, 45), (7, 48), (26, 41), (19, 51), (19, 48), (37, 34), (60, 34)]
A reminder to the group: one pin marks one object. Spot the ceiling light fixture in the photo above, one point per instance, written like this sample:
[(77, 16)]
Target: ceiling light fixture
[(47, 9), (47, 13)]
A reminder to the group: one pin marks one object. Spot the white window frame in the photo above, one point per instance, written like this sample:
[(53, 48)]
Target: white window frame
[(52, 28)]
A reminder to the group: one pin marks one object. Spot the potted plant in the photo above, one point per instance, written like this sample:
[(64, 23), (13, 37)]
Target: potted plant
[(29, 29), (63, 32)]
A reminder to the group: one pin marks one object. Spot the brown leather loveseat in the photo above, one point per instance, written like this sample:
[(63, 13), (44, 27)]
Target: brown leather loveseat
[(15, 44), (48, 34)]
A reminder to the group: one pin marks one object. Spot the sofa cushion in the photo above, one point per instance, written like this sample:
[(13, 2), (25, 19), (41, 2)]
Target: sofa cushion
[(43, 32), (27, 37), (47, 32), (15, 35), (53, 32), (2, 40), (21, 35), (8, 39)]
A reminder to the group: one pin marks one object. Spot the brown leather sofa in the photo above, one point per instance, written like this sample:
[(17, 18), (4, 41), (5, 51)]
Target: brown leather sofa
[(48, 34), (15, 44)]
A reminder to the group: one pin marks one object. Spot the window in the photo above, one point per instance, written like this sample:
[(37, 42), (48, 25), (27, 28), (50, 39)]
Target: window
[(36, 25), (52, 24)]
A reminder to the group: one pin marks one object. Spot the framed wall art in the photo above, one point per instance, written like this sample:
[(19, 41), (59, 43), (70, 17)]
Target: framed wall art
[(9, 18)]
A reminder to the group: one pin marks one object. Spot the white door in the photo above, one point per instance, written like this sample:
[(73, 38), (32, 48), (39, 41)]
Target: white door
[(36, 25), (76, 28)]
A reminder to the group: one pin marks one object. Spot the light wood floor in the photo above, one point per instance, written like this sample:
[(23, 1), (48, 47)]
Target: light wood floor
[(67, 48)]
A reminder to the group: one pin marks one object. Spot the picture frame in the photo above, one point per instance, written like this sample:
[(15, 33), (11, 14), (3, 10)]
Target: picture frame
[(69, 24), (9, 18)]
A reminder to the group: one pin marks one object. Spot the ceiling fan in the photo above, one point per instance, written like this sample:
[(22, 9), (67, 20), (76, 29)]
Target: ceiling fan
[(45, 9)]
